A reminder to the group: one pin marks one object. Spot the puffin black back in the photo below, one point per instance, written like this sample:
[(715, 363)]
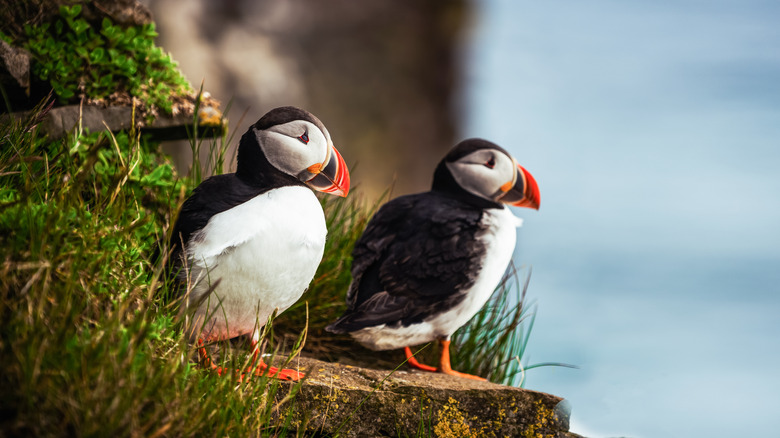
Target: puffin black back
[(420, 270)]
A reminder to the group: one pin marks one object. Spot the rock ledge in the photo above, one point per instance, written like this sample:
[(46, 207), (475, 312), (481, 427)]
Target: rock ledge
[(358, 402)]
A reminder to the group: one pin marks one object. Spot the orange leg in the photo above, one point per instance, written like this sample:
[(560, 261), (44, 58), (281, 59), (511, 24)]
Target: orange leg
[(259, 370), (206, 360), (444, 363), (413, 362)]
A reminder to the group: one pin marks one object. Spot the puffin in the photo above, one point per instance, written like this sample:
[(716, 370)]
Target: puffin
[(426, 263), (247, 244)]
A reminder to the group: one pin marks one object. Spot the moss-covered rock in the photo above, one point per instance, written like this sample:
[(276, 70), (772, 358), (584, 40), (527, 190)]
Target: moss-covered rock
[(350, 401)]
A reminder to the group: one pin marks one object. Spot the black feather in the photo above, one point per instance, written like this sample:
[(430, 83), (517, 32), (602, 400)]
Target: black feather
[(418, 256), (213, 196)]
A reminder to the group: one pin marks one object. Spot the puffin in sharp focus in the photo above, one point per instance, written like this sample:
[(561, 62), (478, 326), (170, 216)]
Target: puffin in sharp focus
[(426, 263), (248, 243)]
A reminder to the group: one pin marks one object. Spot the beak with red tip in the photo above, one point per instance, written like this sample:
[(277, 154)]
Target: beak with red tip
[(330, 176), (522, 191)]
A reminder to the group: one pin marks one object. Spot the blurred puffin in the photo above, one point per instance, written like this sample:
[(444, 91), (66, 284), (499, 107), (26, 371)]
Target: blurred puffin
[(426, 263), (248, 243)]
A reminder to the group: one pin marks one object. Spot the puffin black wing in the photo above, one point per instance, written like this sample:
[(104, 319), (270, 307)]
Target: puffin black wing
[(417, 256), (213, 196)]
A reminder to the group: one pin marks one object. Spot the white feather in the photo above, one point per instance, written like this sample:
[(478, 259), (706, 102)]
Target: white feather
[(499, 240), (264, 253)]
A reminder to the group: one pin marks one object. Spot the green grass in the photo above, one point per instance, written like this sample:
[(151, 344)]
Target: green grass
[(89, 339), (88, 346)]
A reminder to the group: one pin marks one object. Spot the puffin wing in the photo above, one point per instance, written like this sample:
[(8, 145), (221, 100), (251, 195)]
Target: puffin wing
[(418, 254), (213, 196)]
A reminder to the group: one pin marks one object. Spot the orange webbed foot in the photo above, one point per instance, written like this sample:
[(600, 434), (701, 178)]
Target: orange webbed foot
[(277, 373), (260, 370)]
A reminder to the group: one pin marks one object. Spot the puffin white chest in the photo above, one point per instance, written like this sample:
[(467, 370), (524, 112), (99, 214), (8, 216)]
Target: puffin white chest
[(264, 253), (499, 237)]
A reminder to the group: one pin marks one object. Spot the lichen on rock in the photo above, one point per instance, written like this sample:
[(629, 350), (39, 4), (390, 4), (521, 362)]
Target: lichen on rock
[(351, 401)]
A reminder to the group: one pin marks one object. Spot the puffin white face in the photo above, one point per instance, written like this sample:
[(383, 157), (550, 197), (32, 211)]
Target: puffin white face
[(487, 173), (296, 148), (302, 149)]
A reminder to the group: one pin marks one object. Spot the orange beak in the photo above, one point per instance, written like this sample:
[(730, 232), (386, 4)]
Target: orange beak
[(331, 176), (522, 191)]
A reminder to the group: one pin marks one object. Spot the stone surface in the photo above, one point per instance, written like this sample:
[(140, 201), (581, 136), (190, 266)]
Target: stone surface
[(15, 63), (14, 14), (122, 12), (359, 402), (61, 120), (14, 74)]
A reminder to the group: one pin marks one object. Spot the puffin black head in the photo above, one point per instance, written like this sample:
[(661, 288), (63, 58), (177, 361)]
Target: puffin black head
[(485, 174), (290, 145)]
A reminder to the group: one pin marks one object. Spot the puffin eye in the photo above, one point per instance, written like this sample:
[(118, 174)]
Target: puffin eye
[(491, 163), (304, 138)]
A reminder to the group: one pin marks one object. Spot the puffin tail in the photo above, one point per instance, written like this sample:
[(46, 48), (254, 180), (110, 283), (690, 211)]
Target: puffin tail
[(337, 327)]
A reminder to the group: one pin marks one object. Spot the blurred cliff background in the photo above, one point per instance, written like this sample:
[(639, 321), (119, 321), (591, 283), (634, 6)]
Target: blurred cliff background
[(382, 75)]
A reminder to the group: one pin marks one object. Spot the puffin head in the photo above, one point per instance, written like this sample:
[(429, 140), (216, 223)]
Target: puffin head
[(486, 174), (290, 144)]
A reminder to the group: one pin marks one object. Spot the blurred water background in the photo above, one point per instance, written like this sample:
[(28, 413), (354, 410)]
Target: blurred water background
[(653, 129)]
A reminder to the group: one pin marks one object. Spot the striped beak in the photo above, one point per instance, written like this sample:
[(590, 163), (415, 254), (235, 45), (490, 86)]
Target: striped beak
[(330, 176), (522, 191)]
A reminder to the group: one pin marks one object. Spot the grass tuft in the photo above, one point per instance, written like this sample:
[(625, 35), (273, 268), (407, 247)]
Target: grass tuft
[(89, 345), (493, 343)]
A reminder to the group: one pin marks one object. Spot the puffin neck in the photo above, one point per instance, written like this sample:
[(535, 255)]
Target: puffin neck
[(444, 183), (254, 169)]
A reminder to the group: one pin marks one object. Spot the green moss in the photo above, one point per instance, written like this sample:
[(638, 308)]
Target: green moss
[(79, 58)]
